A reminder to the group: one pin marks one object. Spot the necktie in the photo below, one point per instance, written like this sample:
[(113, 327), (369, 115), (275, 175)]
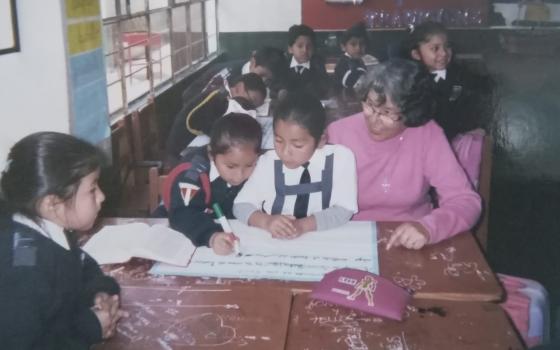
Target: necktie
[(300, 69), (302, 200)]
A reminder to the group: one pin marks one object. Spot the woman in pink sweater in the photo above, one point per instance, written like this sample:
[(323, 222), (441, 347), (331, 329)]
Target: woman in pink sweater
[(400, 153)]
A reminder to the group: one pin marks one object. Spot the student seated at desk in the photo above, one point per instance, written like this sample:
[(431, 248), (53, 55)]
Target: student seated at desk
[(197, 118), (267, 62), (401, 154), (307, 69), (352, 65), (215, 175), (303, 184), (463, 99), (53, 295)]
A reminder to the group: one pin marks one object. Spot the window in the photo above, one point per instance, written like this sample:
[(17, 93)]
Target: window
[(151, 44)]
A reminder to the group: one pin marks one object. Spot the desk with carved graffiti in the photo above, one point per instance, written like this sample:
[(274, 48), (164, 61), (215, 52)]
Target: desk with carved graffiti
[(453, 307)]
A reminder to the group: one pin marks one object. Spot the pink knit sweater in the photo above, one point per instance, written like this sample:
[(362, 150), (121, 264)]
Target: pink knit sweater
[(394, 177)]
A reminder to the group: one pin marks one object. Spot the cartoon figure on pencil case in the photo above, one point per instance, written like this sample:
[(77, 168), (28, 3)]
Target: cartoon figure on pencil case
[(367, 286)]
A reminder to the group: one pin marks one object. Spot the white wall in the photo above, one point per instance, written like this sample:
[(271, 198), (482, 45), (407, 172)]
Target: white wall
[(258, 15), (34, 88)]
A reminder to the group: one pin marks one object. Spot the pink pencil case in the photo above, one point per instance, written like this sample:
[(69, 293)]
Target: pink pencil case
[(363, 291)]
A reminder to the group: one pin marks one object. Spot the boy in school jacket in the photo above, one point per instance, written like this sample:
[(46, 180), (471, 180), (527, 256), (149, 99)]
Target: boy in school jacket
[(197, 118), (306, 68)]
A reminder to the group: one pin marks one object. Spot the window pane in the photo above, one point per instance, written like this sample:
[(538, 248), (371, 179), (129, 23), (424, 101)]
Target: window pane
[(114, 94), (197, 36), (181, 1), (135, 45), (179, 38), (210, 14), (108, 8), (137, 6), (160, 47), (156, 4), (110, 39)]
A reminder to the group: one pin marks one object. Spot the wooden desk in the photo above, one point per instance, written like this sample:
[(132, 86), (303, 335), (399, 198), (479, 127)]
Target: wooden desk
[(427, 325), (177, 312), (451, 270)]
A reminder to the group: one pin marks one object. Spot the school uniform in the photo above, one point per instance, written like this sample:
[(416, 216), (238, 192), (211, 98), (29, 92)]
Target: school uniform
[(310, 76), (190, 213), (463, 100), (47, 288), (331, 187), (348, 71), (199, 116)]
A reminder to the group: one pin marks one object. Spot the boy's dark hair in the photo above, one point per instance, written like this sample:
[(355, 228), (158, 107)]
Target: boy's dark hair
[(46, 163), (253, 82), (358, 30), (303, 109), (233, 130), (423, 32), (298, 30), (408, 84), (271, 58)]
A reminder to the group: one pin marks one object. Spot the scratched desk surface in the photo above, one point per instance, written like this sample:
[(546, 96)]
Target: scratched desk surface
[(221, 318), (454, 269), (451, 270), (427, 325)]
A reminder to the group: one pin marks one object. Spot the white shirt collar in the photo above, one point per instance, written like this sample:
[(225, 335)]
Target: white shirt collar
[(246, 68), (214, 174), (440, 74), (47, 228), (235, 107), (294, 63)]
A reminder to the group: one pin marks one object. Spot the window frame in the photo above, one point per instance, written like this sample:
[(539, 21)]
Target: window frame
[(177, 73)]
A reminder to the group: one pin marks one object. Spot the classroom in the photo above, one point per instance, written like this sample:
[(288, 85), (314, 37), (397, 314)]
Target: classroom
[(408, 145)]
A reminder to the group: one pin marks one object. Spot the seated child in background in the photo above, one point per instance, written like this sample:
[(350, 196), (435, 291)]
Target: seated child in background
[(200, 115), (352, 65), (267, 62), (307, 69), (216, 175), (463, 99), (302, 185), (54, 295)]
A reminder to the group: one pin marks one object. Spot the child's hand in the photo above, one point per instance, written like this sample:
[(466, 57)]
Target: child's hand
[(108, 312), (281, 226), (222, 243), (411, 235)]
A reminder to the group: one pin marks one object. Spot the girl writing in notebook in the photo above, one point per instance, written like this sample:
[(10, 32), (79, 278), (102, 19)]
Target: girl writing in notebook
[(213, 174), (303, 184), (53, 295)]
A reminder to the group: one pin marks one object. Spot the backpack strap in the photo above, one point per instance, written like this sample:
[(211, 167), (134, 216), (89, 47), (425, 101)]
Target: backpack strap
[(195, 171)]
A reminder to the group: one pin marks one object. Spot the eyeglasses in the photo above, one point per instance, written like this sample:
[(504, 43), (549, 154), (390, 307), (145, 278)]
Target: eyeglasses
[(385, 115)]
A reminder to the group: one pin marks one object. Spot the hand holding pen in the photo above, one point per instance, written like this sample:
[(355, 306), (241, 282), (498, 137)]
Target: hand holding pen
[(226, 242)]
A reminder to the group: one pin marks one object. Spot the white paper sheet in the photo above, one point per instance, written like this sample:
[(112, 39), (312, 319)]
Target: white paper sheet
[(306, 258)]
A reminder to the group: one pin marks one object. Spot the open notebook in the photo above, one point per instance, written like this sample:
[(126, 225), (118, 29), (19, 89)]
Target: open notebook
[(306, 258), (119, 243)]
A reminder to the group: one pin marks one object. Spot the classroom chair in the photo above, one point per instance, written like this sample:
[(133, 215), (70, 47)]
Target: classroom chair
[(156, 180)]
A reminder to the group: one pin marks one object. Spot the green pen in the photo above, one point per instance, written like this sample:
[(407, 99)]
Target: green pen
[(226, 227)]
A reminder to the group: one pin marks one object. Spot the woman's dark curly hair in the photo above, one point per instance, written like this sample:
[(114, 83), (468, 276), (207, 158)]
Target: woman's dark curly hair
[(407, 84)]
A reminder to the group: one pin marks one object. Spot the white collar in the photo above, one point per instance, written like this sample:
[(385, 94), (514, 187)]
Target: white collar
[(235, 107), (294, 63), (47, 228), (214, 174), (440, 74), (246, 68)]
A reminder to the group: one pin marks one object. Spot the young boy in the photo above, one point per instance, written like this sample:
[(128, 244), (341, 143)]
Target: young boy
[(306, 69), (351, 66), (267, 62), (198, 117)]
